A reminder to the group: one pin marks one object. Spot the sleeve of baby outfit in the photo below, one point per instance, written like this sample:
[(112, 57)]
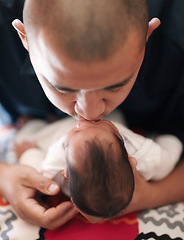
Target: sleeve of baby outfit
[(156, 159), (33, 158), (171, 150), (55, 159), (144, 150)]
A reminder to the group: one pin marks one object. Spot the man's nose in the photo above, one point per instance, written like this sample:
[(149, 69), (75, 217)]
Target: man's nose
[(90, 106)]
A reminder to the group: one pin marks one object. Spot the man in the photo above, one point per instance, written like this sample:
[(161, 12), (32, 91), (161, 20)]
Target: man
[(87, 56)]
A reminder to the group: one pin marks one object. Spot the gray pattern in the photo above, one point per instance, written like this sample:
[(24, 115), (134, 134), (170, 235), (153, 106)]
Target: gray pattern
[(8, 222)]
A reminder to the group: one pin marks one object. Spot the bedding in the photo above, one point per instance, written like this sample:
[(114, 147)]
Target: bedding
[(165, 223)]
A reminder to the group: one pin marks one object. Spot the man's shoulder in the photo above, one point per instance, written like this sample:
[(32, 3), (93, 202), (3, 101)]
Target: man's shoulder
[(9, 4), (171, 15), (10, 9)]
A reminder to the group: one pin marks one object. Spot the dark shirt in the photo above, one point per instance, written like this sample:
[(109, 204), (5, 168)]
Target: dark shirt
[(156, 102), (20, 91)]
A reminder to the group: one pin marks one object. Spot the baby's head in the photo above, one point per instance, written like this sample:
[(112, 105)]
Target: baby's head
[(100, 177)]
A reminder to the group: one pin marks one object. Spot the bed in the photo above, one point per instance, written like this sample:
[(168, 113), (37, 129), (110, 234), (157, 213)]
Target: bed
[(163, 223)]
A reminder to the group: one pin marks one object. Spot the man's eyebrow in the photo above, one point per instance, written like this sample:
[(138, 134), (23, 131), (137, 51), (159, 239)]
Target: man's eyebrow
[(61, 88), (120, 84)]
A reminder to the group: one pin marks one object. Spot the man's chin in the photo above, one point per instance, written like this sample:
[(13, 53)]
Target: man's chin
[(78, 118)]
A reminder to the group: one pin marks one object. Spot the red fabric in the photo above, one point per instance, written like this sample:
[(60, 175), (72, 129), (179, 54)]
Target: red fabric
[(2, 202), (125, 228)]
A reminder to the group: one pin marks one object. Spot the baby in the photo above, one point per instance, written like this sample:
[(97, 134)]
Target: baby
[(98, 172)]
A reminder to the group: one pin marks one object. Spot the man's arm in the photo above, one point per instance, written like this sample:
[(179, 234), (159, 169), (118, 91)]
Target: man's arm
[(18, 184)]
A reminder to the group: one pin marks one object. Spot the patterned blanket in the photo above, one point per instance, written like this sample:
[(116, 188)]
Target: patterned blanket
[(164, 223)]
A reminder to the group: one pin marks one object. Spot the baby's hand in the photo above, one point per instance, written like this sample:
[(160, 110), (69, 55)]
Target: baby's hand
[(22, 147)]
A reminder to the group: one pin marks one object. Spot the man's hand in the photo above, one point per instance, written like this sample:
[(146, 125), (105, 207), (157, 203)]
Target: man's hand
[(140, 196), (18, 184)]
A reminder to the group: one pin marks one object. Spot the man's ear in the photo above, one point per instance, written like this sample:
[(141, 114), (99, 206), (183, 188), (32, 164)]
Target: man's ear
[(19, 27), (133, 163), (153, 24)]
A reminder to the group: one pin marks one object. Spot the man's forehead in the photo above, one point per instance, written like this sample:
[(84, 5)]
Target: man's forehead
[(66, 73), (86, 77)]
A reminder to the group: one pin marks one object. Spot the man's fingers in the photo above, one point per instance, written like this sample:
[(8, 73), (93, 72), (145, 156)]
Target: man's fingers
[(19, 189), (50, 218), (34, 179), (63, 213)]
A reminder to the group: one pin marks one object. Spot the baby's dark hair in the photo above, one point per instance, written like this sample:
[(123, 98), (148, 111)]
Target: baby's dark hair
[(104, 185)]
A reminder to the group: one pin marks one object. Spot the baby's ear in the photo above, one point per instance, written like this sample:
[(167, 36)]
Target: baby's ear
[(64, 173), (133, 163)]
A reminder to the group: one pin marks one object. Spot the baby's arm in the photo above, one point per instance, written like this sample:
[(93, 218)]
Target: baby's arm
[(171, 150), (155, 158), (55, 159), (29, 153), (20, 148), (159, 157)]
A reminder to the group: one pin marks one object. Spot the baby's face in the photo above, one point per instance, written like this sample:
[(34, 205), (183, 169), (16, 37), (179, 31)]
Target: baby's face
[(85, 130)]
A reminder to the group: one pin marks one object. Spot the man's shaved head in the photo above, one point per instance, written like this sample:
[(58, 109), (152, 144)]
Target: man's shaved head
[(89, 30)]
